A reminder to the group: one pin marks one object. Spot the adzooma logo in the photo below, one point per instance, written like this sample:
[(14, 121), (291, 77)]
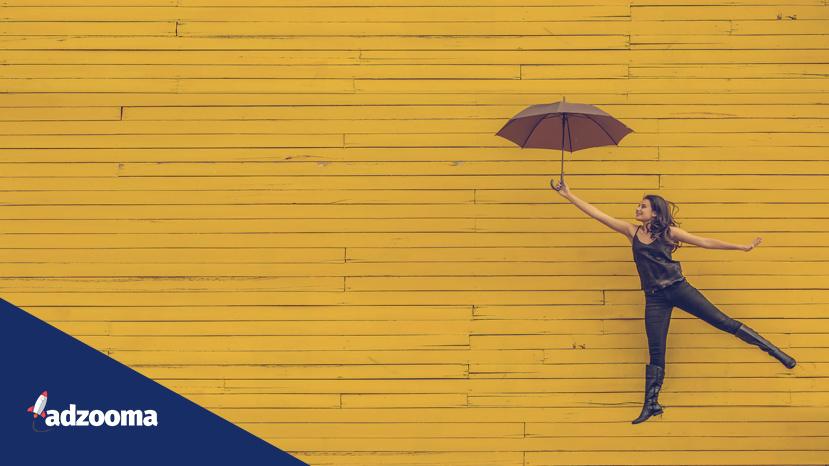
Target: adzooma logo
[(82, 417)]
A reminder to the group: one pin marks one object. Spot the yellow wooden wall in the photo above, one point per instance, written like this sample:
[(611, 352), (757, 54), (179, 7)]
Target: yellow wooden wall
[(296, 214)]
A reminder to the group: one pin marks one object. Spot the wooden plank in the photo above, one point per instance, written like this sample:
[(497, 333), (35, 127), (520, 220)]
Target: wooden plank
[(636, 139), (430, 125), (778, 324), (279, 343), (735, 12), (777, 449), (777, 27), (267, 328), (396, 3), (299, 298), (180, 57), (193, 386), (62, 114), (801, 104), (731, 71), (628, 341), (630, 282), (728, 42), (434, 356), (780, 181), (389, 430), (680, 429), (620, 414), (157, 71), (634, 311), (330, 154), (90, 28), (168, 85), (709, 275), (690, 370), (525, 28), (637, 181), (466, 458), (160, 313), (251, 313), (83, 328), (806, 456), (80, 85), (109, 170), (684, 198), (638, 57), (469, 261), (615, 253), (732, 296), (306, 372), (178, 141), (74, 3), (736, 153), (282, 400), (566, 400), (366, 240), (318, 256), (239, 226), (431, 400), (655, 85), (808, 340), (631, 384), (259, 127), (455, 169), (240, 198), (343, 43), (638, 3), (699, 355), (156, 284), (321, 14), (376, 112)]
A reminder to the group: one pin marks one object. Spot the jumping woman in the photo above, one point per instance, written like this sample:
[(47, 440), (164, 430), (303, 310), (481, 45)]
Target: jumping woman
[(664, 286)]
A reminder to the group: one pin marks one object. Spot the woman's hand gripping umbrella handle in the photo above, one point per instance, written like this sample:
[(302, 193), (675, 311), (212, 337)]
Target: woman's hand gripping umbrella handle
[(561, 187)]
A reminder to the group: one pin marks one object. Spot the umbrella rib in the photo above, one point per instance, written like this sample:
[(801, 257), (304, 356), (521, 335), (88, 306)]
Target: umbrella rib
[(531, 131), (602, 127)]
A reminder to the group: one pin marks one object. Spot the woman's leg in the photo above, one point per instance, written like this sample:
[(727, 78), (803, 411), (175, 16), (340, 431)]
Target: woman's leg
[(657, 319), (690, 300)]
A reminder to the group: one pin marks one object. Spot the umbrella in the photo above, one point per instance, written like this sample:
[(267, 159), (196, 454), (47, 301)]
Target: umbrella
[(564, 126)]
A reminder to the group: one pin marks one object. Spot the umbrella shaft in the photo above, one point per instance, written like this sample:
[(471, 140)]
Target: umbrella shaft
[(563, 125)]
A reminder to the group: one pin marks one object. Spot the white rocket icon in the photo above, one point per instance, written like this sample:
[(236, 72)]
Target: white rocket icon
[(39, 405)]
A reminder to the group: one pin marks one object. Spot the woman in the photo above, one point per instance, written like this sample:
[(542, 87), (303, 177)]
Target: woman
[(665, 287)]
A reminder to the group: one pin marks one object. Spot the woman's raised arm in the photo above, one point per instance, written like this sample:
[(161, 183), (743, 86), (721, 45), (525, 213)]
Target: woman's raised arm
[(626, 228), (711, 243)]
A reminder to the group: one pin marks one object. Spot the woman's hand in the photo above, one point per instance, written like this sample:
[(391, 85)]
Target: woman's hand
[(561, 188), (749, 247)]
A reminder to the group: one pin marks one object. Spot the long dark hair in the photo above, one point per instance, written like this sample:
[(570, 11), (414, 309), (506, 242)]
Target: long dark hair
[(660, 226)]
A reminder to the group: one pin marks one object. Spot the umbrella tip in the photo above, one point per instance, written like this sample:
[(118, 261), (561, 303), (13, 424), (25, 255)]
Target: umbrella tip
[(564, 98)]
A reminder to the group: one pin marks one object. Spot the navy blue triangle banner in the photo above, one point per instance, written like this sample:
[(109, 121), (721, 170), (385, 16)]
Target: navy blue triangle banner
[(65, 401)]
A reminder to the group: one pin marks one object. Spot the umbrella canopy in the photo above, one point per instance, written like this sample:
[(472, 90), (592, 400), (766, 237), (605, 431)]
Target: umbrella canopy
[(565, 126)]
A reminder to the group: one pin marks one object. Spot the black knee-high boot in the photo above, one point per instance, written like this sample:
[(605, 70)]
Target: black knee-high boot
[(654, 375), (751, 337)]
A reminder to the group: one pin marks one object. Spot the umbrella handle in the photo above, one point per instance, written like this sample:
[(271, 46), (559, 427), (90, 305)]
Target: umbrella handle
[(553, 184)]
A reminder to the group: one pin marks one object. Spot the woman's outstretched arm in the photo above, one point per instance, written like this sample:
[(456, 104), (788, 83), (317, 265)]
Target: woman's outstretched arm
[(711, 243), (626, 228)]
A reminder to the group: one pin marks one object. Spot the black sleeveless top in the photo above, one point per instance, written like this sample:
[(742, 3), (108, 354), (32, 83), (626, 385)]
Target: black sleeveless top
[(656, 267)]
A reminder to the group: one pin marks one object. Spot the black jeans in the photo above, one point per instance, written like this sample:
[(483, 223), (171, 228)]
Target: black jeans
[(658, 307)]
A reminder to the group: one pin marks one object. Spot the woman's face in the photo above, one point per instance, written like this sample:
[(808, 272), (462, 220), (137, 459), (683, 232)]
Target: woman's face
[(644, 212)]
